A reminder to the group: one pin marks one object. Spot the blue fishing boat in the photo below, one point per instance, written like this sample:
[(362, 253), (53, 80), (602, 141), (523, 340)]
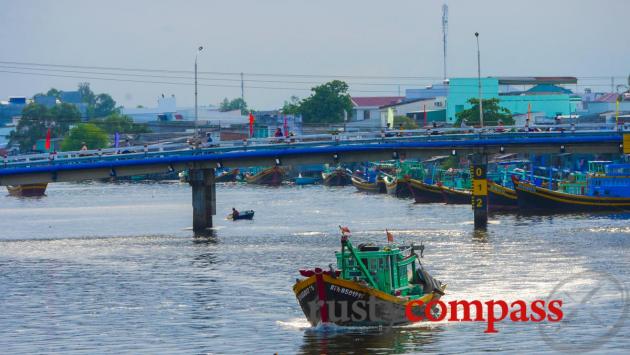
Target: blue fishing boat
[(604, 191)]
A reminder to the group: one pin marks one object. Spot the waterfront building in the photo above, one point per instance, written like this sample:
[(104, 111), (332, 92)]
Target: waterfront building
[(517, 94), (366, 110), (167, 111), (601, 103), (266, 123), (416, 108), (430, 91)]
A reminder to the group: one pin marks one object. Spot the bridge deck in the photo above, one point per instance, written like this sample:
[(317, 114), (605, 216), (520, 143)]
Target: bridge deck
[(70, 166)]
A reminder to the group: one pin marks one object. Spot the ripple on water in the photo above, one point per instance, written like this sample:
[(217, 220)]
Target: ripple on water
[(115, 268)]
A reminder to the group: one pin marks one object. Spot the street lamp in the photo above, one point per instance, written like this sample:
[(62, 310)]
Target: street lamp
[(196, 113), (479, 79)]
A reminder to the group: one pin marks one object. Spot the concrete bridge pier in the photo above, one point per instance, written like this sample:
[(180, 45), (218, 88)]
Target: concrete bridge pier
[(479, 169), (203, 198)]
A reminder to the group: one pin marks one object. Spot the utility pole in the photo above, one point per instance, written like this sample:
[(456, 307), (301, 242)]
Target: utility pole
[(196, 110), (479, 78), (242, 89), (444, 33)]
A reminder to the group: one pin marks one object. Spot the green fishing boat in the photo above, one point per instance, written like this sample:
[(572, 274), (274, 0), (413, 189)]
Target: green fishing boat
[(371, 286)]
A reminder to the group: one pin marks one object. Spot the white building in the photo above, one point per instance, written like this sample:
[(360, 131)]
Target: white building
[(167, 110), (409, 107), (366, 110)]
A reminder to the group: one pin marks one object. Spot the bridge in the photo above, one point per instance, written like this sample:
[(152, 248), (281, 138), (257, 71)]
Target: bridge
[(315, 149)]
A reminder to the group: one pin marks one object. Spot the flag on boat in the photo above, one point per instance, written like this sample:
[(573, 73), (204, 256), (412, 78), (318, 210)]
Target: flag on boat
[(286, 127), (48, 133), (116, 139), (251, 125), (344, 230), (390, 236)]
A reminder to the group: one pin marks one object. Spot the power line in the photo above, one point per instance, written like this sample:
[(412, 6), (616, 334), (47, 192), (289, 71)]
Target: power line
[(224, 73), (237, 74), (174, 83), (217, 85)]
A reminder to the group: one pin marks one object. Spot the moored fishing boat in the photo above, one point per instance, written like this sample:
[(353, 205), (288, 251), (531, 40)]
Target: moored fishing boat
[(453, 196), (609, 191), (377, 186), (501, 197), (372, 286), (271, 176), (398, 187), (227, 176), (28, 190), (337, 177), (424, 192)]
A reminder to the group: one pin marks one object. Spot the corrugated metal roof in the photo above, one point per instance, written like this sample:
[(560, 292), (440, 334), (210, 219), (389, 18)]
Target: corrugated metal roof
[(376, 101), (533, 80)]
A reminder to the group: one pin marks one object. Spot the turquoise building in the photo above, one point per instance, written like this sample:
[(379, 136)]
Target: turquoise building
[(515, 94)]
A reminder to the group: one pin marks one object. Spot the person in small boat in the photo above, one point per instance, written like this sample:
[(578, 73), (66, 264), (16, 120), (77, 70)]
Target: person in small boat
[(278, 133), (235, 213)]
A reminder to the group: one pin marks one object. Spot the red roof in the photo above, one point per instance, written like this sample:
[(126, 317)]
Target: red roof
[(376, 101), (610, 97)]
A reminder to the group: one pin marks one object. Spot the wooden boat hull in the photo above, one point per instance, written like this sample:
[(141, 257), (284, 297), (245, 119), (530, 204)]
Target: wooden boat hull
[(501, 198), (325, 299), (398, 187), (455, 196), (425, 193), (28, 190), (372, 187), (228, 176), (338, 177), (272, 176), (531, 197)]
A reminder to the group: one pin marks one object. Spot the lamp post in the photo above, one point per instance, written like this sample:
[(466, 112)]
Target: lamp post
[(196, 113), (479, 79)]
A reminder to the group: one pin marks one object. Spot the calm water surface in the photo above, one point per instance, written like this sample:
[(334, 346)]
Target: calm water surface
[(113, 268)]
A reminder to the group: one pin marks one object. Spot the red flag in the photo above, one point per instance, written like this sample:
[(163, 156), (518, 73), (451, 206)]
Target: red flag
[(344, 230), (390, 237), (47, 146), (286, 127), (251, 124)]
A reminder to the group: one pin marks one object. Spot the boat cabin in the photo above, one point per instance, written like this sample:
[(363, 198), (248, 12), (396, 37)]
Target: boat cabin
[(392, 269), (615, 182)]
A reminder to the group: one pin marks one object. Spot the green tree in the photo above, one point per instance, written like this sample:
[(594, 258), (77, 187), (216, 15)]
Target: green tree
[(37, 119), (87, 95), (90, 134), (234, 104), (492, 114), (65, 115), (292, 107), (104, 105), (407, 122), (53, 92), (327, 103), (119, 123)]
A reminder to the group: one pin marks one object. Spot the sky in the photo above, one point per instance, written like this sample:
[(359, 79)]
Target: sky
[(375, 46)]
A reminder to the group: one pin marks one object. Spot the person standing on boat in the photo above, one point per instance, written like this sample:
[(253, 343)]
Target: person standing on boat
[(235, 213)]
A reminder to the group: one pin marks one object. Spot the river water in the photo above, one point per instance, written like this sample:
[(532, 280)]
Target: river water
[(113, 268)]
